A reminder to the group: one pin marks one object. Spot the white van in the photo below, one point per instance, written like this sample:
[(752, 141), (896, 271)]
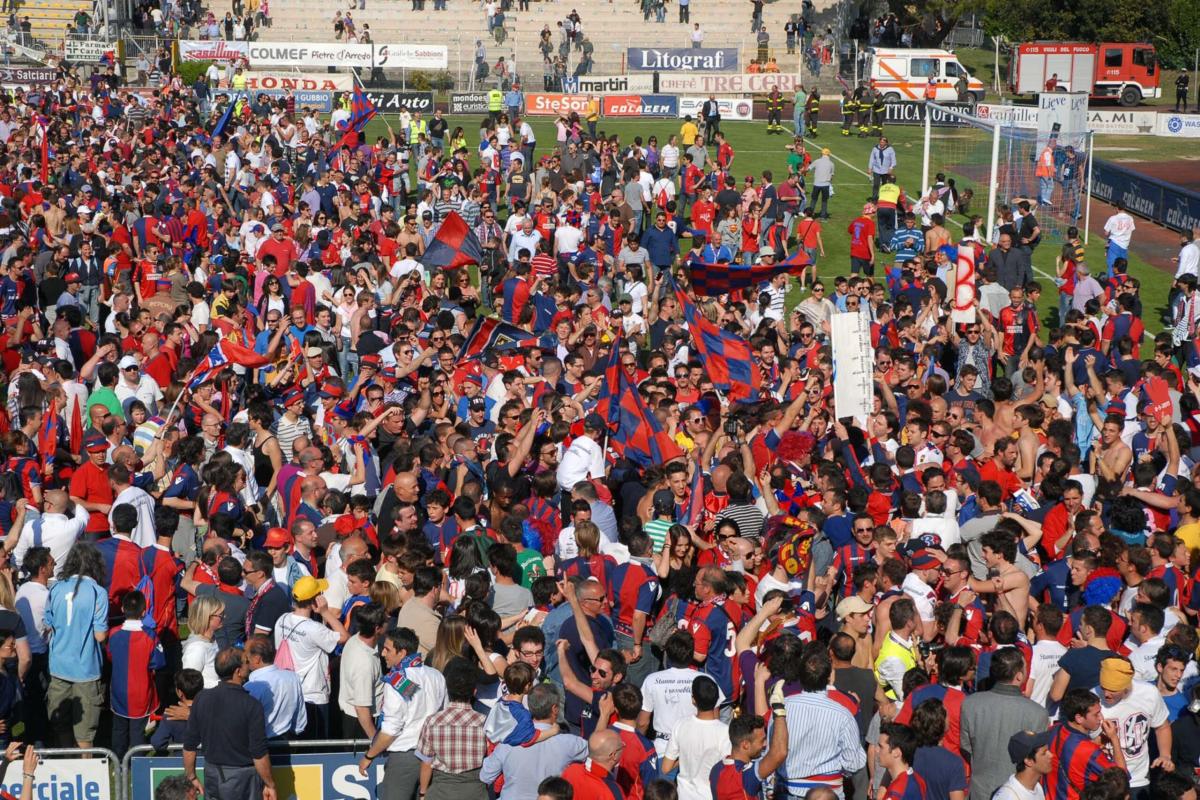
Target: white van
[(904, 74)]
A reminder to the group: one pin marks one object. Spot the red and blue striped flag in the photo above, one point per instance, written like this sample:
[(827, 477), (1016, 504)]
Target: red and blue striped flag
[(362, 111), (726, 356), (634, 431), (709, 280), (491, 335), (224, 353), (454, 245), (47, 438)]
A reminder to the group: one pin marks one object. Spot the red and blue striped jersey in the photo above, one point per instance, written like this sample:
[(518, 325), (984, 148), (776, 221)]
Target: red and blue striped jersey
[(1174, 580), (847, 559), (906, 786), (1077, 760), (135, 655), (597, 566), (731, 779), (950, 698), (713, 634), (30, 472), (634, 588), (639, 762), (164, 571), (122, 568)]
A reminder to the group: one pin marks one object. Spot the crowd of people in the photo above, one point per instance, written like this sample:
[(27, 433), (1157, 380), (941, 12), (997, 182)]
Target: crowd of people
[(269, 477)]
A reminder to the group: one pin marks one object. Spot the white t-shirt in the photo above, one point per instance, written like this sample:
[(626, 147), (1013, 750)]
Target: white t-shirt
[(1136, 717), (697, 744), (1046, 654), (1014, 790), (200, 314), (667, 695), (1120, 227), (201, 655), (921, 595), (31, 605), (310, 643)]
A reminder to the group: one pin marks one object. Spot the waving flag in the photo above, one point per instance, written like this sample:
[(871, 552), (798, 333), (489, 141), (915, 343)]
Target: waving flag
[(490, 335), (454, 245), (695, 507), (362, 111), (43, 124), (709, 280), (634, 431), (727, 356), (224, 118), (47, 437), (224, 353)]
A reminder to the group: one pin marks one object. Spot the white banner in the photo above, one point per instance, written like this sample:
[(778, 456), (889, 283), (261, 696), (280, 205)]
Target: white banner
[(194, 50), (1185, 126), (66, 777), (1062, 114), (964, 285), (609, 84), (309, 54), (411, 56), (695, 83), (300, 81), (854, 370), (84, 50), (732, 108), (1111, 121)]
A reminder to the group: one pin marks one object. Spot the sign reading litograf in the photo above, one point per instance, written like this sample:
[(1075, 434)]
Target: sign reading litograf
[(61, 778), (731, 108), (473, 103), (750, 83), (541, 104), (80, 51), (681, 59), (300, 81), (913, 113), (608, 84), (297, 775), (193, 50), (27, 75), (640, 105), (395, 102)]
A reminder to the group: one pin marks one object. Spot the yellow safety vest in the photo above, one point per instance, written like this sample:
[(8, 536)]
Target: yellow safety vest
[(894, 648), (239, 81), (495, 100), (416, 128), (889, 193)]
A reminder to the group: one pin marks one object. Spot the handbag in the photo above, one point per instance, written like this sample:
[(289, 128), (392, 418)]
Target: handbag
[(665, 625)]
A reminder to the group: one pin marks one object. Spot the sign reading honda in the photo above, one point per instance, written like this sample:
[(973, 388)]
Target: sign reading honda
[(411, 56), (606, 84), (640, 105), (540, 104), (473, 103), (680, 59), (732, 108), (27, 75), (913, 113), (394, 102), (310, 54), (300, 81), (728, 84), (192, 50)]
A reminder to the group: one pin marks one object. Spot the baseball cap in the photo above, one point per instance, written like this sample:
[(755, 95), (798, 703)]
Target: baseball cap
[(96, 443), (308, 587), (277, 537), (333, 391), (127, 362), (276, 227), (594, 422), (344, 410), (292, 396), (852, 605), (766, 250), (664, 502), (313, 352), (372, 360), (1024, 744), (924, 559), (72, 277), (477, 404)]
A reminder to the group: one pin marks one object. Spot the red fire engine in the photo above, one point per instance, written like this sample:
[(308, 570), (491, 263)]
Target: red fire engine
[(1121, 71)]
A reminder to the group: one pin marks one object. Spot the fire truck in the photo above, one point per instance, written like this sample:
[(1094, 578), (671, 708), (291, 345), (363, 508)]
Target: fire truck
[(1122, 71)]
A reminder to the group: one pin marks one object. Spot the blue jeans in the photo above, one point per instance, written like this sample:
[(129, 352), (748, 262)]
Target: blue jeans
[(1045, 190), (798, 126), (89, 298), (1111, 253)]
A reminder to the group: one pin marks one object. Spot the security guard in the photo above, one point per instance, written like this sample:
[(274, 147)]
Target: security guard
[(812, 110), (417, 127), (495, 99), (877, 112), (774, 111), (848, 108), (862, 105)]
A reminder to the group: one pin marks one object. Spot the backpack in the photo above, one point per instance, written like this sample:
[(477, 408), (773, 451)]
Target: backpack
[(484, 70), (283, 653)]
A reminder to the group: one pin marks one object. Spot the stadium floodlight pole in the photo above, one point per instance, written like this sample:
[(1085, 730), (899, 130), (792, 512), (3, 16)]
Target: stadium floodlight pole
[(991, 212), (929, 106), (1087, 182)]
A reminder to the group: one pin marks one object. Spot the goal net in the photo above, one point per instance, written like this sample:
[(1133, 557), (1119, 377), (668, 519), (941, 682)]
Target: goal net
[(998, 156)]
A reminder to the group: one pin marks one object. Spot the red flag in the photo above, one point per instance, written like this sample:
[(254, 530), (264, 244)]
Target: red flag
[(48, 435)]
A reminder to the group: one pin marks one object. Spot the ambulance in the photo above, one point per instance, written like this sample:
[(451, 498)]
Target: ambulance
[(905, 74)]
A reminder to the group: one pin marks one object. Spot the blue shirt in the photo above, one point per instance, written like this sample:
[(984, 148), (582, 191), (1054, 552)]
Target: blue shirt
[(524, 768), (661, 246), (282, 698), (76, 610)]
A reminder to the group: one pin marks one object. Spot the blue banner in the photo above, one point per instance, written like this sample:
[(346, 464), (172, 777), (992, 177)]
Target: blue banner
[(683, 59), (1165, 203), (303, 776), (321, 101)]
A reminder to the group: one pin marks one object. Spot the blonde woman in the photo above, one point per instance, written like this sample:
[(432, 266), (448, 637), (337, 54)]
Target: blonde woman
[(10, 619), (205, 618)]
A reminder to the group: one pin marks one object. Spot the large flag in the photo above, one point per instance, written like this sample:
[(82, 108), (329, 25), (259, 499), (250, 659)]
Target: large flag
[(491, 335), (44, 126), (709, 280), (224, 118), (224, 354), (634, 431), (362, 111), (454, 245), (47, 437), (726, 356)]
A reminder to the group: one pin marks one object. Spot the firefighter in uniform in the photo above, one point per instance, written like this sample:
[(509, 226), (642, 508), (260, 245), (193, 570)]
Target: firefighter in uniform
[(774, 111), (862, 105), (812, 110), (848, 108), (877, 112)]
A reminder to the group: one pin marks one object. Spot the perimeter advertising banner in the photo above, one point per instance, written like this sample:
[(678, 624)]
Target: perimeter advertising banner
[(1186, 126), (394, 102), (682, 59), (300, 81), (65, 779), (318, 54), (27, 75), (640, 105), (543, 104), (732, 108), (192, 50), (608, 84), (907, 112), (750, 83), (411, 56), (298, 776), (321, 101), (311, 54), (1169, 205), (468, 103)]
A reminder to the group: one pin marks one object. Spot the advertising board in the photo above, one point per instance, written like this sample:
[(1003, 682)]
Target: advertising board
[(544, 104), (640, 105), (682, 59)]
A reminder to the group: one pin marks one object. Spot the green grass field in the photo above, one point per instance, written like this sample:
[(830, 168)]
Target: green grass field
[(756, 150)]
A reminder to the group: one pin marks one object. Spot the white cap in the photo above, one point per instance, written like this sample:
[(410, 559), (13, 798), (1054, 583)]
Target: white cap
[(127, 361)]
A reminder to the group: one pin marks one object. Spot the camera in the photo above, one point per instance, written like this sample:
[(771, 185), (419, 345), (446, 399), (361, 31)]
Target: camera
[(927, 648), (732, 426)]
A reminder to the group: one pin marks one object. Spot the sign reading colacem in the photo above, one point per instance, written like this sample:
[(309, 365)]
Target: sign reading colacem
[(681, 59), (640, 105)]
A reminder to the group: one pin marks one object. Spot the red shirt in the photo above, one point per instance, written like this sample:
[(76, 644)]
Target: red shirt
[(285, 253), (862, 231), (703, 213), (724, 155), (90, 483), (991, 470)]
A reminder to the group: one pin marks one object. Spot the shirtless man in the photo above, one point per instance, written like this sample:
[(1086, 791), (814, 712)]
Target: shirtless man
[(1027, 419), (1008, 582), (410, 235), (1113, 456)]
